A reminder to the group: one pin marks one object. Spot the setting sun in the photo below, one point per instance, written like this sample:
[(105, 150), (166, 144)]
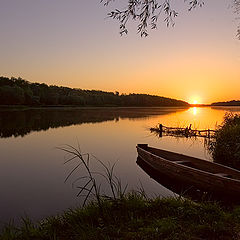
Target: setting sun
[(195, 100)]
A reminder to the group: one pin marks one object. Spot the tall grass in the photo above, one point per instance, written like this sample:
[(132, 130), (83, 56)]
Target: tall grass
[(89, 184)]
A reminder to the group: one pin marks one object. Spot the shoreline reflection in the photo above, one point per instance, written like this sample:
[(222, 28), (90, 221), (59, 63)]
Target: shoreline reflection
[(15, 123)]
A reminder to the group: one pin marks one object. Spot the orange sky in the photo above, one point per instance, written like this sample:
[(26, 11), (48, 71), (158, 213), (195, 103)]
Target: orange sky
[(71, 43)]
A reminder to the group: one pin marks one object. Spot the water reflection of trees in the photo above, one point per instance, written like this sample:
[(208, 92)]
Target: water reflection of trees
[(14, 123)]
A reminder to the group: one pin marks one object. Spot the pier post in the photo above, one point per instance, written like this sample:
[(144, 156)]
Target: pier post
[(160, 130)]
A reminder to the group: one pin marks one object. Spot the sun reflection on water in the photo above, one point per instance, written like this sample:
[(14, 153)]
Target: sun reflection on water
[(194, 111)]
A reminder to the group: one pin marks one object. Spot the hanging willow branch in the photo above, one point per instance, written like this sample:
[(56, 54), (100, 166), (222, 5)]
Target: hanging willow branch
[(147, 12), (237, 11)]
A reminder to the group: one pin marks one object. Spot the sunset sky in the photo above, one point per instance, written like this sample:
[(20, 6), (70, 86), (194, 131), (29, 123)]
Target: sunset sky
[(72, 43)]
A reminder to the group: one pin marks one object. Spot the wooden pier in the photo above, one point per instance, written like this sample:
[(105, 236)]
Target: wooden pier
[(183, 132)]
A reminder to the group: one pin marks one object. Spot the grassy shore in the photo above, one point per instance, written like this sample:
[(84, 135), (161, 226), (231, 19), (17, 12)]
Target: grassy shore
[(134, 217)]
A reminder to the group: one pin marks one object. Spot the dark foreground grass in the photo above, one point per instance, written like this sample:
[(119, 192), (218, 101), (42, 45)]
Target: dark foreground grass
[(134, 217)]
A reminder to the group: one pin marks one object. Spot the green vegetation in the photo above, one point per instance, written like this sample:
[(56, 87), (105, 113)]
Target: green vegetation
[(16, 91), (121, 215), (228, 103), (134, 217), (225, 147)]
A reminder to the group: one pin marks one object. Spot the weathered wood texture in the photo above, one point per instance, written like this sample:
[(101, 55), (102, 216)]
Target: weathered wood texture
[(183, 132), (203, 174)]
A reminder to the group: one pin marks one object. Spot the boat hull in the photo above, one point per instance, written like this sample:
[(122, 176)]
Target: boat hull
[(207, 181)]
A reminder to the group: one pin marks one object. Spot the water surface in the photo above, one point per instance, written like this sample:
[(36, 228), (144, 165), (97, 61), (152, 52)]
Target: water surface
[(32, 172)]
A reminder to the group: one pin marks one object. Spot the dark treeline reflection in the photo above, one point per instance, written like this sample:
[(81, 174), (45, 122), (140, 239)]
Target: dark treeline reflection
[(21, 122)]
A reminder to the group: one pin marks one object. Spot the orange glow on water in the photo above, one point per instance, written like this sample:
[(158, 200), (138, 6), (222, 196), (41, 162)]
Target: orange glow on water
[(194, 111)]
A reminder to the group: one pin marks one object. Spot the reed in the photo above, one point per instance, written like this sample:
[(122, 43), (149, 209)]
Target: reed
[(89, 184)]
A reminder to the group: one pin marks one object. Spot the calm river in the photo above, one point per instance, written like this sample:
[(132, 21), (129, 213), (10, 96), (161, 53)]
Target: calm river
[(32, 170)]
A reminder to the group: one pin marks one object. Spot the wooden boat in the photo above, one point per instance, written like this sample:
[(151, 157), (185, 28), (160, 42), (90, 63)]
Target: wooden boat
[(205, 175)]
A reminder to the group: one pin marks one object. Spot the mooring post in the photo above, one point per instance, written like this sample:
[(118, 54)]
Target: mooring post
[(160, 127), (160, 130)]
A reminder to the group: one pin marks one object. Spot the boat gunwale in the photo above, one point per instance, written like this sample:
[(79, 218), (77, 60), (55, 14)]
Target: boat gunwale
[(194, 169)]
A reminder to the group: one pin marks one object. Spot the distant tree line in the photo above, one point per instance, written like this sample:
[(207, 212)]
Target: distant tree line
[(229, 103), (16, 91)]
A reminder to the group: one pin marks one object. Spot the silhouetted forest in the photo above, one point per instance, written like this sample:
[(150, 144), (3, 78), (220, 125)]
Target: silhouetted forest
[(16, 91), (229, 103)]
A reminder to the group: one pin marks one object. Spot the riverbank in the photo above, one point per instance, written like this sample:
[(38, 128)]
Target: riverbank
[(135, 217)]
